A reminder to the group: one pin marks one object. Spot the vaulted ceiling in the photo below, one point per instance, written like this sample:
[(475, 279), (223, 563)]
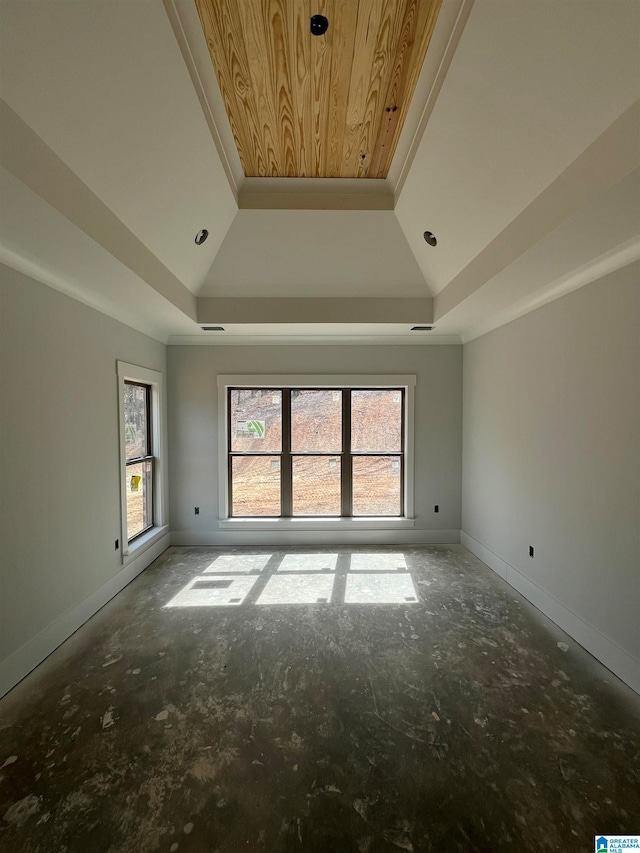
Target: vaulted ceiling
[(520, 150)]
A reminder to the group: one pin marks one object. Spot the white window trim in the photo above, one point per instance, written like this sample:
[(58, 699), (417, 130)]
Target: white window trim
[(134, 373), (306, 380)]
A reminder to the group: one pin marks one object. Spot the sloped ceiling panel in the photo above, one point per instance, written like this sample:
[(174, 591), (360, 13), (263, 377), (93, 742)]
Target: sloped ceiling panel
[(327, 106), (315, 253)]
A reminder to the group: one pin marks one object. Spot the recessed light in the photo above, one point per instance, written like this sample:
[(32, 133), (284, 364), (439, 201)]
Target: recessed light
[(319, 25), (201, 236), (430, 237), (212, 328), (422, 328)]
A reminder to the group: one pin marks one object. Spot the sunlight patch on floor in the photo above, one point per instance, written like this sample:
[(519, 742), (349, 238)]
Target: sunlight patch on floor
[(298, 589), (308, 563), (380, 589), (378, 563), (210, 592), (242, 563), (300, 578)]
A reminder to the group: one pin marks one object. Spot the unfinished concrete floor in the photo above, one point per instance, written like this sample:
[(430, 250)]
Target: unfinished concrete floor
[(240, 717)]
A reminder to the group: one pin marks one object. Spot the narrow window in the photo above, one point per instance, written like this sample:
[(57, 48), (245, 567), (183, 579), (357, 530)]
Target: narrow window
[(139, 461)]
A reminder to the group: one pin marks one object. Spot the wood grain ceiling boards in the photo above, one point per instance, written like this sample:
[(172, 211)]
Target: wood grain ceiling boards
[(328, 106)]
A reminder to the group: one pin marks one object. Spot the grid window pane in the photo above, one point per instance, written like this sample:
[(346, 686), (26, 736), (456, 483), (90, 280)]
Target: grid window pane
[(256, 420), (316, 485), (376, 485), (376, 420), (136, 429), (316, 421), (256, 485), (139, 497)]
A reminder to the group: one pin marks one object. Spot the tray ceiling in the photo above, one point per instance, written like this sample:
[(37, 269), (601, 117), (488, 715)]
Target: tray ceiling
[(329, 106)]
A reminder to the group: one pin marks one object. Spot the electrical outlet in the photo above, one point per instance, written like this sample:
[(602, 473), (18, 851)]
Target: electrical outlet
[(117, 544), (531, 550), (436, 508), (196, 510)]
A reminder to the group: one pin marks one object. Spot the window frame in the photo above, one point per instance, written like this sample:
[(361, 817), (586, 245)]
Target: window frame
[(148, 457), (348, 382), (153, 381), (287, 455)]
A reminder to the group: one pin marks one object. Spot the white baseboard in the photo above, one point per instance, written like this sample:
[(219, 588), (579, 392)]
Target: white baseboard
[(281, 539), (14, 668), (615, 658)]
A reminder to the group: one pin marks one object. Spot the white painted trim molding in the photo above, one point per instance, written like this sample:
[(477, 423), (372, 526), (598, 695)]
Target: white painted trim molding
[(620, 662), (290, 525), (313, 380), (605, 264), (18, 665), (229, 339), (278, 538)]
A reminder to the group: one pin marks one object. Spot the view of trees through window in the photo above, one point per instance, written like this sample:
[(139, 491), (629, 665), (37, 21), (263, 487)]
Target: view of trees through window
[(316, 452), (139, 461)]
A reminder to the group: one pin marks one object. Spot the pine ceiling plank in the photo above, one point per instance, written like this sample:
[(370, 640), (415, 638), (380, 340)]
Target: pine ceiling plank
[(320, 78), (379, 23), (267, 158), (417, 29), (222, 26), (301, 83), (389, 35), (341, 40), (276, 63)]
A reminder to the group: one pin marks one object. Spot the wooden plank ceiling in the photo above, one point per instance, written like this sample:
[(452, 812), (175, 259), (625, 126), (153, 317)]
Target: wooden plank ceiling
[(329, 106)]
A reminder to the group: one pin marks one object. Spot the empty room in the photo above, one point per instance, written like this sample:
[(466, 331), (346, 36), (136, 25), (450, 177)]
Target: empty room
[(319, 426)]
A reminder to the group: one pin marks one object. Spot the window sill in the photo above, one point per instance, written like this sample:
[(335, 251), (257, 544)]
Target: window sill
[(143, 542), (370, 523)]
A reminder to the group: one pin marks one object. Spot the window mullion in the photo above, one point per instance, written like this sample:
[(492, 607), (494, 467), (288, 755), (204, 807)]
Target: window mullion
[(346, 475), (286, 484)]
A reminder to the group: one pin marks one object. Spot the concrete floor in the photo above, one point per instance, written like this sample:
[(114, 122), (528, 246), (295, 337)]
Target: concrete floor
[(209, 708)]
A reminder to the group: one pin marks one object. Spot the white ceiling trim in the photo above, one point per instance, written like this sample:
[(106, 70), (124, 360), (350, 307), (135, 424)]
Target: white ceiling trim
[(610, 158), (176, 19), (223, 340), (451, 22), (623, 255), (221, 310), (32, 162), (315, 194), (62, 284)]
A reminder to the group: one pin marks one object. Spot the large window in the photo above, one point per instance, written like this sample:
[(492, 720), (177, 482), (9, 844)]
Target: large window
[(300, 452)]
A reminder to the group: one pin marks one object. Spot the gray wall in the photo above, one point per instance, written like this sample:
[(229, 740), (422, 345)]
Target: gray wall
[(551, 458), (193, 438), (59, 463)]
